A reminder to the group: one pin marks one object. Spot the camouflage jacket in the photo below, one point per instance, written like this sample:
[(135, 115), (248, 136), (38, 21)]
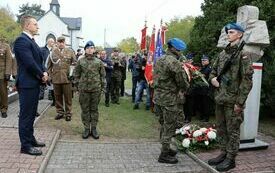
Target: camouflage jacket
[(59, 65), (239, 77), (118, 64), (89, 74), (5, 60), (169, 81)]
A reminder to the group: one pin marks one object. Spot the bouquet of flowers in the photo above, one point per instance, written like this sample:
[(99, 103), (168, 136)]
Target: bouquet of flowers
[(195, 75), (192, 137)]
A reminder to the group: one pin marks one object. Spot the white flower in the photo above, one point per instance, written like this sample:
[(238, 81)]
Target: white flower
[(197, 133), (211, 135), (178, 131), (186, 128), (203, 130), (206, 142), (186, 142)]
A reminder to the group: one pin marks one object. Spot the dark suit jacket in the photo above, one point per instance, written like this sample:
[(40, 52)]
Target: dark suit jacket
[(45, 53), (29, 61)]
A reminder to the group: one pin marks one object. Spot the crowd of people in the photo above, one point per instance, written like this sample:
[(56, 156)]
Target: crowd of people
[(174, 95)]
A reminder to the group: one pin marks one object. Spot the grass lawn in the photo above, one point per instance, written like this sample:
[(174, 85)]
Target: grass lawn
[(115, 122)]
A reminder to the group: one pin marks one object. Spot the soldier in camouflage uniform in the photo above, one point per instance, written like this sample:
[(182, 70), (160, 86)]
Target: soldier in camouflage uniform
[(170, 82), (59, 64), (116, 76), (89, 77), (230, 96), (5, 72)]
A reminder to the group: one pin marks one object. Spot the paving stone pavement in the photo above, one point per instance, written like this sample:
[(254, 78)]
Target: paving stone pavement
[(12, 161), (13, 111), (260, 161), (74, 157)]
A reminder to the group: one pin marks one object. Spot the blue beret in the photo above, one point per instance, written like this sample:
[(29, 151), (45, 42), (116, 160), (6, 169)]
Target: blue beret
[(204, 57), (235, 26), (89, 44), (177, 44)]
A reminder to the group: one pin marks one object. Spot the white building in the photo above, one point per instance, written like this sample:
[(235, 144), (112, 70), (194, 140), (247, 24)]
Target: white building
[(51, 25)]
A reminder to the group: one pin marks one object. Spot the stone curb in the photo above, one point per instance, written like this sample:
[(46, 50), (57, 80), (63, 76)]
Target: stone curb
[(49, 153), (201, 163), (106, 142), (12, 97)]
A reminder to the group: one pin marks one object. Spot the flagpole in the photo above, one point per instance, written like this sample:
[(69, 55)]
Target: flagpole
[(104, 38)]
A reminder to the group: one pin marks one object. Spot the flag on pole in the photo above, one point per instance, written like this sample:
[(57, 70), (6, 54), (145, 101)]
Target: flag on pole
[(149, 65), (163, 31), (143, 38), (159, 49), (152, 45)]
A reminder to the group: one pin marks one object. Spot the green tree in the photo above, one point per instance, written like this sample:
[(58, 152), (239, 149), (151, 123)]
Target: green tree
[(216, 14), (9, 29), (34, 10), (128, 45), (180, 28)]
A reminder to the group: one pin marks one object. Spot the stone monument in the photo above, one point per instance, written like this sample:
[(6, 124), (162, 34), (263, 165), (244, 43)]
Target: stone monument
[(256, 38)]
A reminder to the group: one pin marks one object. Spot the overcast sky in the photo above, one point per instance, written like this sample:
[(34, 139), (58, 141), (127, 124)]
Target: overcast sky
[(121, 18)]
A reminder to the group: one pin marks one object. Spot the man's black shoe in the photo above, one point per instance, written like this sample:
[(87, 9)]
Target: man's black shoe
[(166, 158), (86, 133), (31, 151), (58, 116), (38, 144), (4, 115), (68, 118), (107, 104), (117, 103), (218, 159), (37, 114), (226, 165), (94, 133)]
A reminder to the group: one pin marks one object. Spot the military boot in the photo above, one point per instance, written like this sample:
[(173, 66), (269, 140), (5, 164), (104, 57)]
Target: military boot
[(164, 157), (217, 159), (94, 133), (226, 165), (172, 152), (86, 133)]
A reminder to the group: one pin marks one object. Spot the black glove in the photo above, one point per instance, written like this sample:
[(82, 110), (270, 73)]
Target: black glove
[(7, 77)]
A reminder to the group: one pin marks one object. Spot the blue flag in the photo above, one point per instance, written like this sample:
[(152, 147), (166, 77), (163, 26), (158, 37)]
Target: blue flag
[(159, 49)]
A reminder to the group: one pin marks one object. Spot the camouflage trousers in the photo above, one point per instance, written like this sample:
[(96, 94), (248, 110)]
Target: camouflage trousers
[(3, 95), (228, 129), (170, 119), (115, 87), (89, 106)]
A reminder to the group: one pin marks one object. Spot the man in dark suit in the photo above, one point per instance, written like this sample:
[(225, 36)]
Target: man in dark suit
[(31, 74), (45, 53)]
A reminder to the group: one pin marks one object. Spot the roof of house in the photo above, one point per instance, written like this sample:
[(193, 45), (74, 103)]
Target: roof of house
[(54, 2), (73, 23)]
